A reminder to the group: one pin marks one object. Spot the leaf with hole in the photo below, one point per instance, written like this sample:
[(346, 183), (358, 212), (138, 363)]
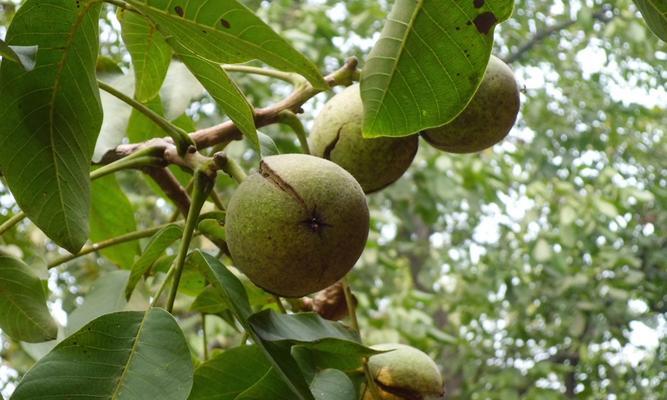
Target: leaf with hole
[(23, 312), (51, 116), (427, 64), (24, 55), (226, 32)]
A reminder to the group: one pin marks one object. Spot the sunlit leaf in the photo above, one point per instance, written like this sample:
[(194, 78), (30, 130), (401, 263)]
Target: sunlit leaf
[(226, 32), (150, 53), (427, 63)]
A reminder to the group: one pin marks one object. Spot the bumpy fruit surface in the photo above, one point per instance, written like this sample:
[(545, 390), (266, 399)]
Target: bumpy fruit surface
[(336, 136), (298, 225), (404, 373), (487, 119)]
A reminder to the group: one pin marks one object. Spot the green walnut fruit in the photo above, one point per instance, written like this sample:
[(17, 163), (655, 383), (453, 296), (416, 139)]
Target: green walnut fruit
[(336, 136), (487, 119), (405, 373), (298, 225)]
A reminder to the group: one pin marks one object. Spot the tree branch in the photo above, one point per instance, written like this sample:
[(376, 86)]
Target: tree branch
[(227, 131), (603, 15), (171, 187)]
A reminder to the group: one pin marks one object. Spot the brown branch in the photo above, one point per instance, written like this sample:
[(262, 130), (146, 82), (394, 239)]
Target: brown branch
[(227, 131), (171, 187), (603, 15)]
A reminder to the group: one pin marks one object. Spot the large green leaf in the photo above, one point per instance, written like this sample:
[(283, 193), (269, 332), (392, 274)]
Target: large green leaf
[(224, 91), (112, 215), (150, 54), (104, 297), (225, 31), (51, 116), (655, 14), (24, 55), (23, 312), (231, 287), (299, 328), (236, 373), (317, 343), (153, 250), (428, 63), (125, 355)]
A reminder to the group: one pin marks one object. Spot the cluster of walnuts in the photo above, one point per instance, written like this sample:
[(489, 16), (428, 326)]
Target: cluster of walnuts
[(300, 223)]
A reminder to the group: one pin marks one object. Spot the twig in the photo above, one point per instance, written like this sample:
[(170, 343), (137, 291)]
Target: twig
[(204, 337), (601, 15), (351, 308), (15, 219), (178, 135), (294, 79), (226, 131), (201, 187), (279, 302), (107, 243)]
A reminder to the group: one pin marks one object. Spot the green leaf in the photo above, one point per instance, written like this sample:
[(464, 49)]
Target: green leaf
[(150, 54), (238, 373), (318, 343), (331, 384), (23, 312), (51, 116), (105, 297), (226, 32), (267, 145), (427, 64), (224, 91), (232, 288), (209, 301), (299, 328), (655, 14), (112, 215), (155, 247), (125, 355), (24, 55)]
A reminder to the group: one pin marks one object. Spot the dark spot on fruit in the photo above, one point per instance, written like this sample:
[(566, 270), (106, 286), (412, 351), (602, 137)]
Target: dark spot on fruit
[(469, 23), (225, 23), (179, 11), (478, 3), (485, 21)]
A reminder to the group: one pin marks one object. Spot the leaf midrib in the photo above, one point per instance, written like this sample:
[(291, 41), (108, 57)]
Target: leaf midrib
[(55, 90), (410, 24), (121, 382)]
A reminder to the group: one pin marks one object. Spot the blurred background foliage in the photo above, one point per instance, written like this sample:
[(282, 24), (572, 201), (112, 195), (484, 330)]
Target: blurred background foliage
[(534, 270)]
